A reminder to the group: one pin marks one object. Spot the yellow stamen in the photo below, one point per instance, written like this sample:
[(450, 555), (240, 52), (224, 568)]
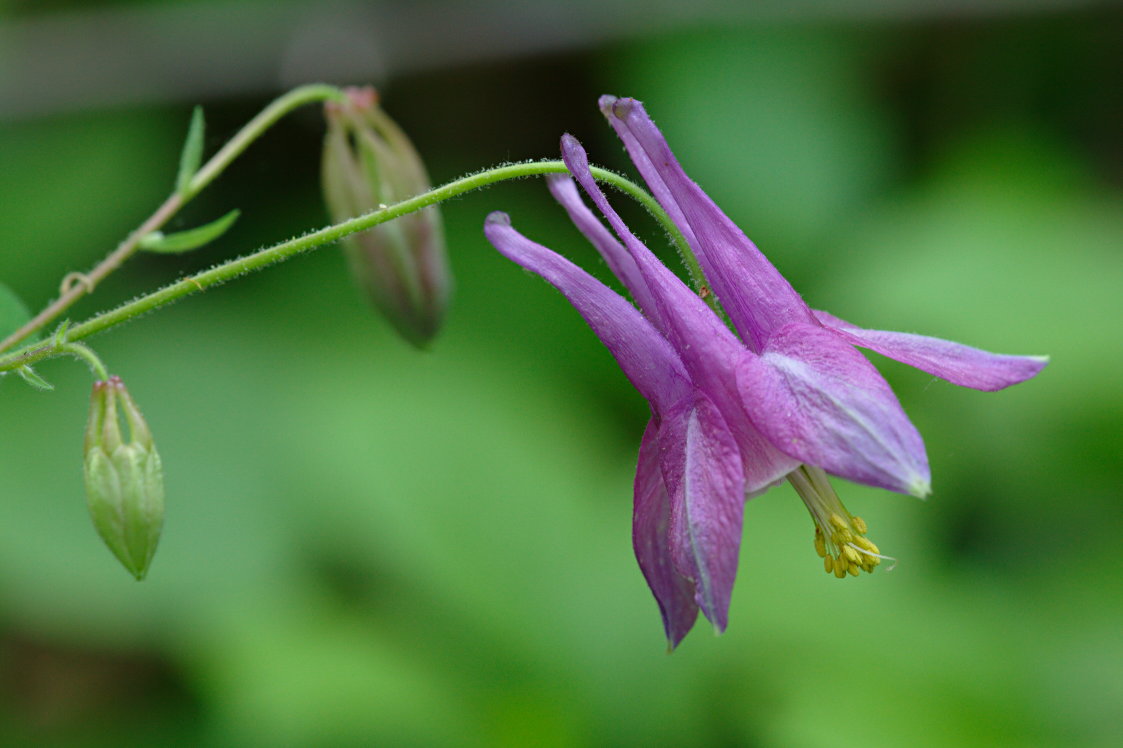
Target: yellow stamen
[(840, 537)]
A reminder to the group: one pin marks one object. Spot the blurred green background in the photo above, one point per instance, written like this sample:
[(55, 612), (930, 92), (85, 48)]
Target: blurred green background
[(370, 546)]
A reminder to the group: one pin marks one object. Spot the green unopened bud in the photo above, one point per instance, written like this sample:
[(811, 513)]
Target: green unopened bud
[(124, 479), (368, 164)]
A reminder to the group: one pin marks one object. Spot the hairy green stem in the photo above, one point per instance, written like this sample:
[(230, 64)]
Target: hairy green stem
[(313, 240), (253, 129), (71, 292), (86, 354)]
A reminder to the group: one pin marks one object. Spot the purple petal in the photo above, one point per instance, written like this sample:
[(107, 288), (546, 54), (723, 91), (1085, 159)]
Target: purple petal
[(707, 348), (765, 466), (645, 356), (619, 261), (756, 296), (957, 363), (819, 400), (710, 352), (702, 470), (650, 538)]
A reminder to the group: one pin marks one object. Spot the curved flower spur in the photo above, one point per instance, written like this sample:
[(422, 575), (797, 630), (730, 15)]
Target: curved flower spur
[(791, 398)]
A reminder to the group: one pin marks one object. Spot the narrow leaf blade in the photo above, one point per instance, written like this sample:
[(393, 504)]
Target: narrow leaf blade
[(192, 154), (185, 241), (34, 379)]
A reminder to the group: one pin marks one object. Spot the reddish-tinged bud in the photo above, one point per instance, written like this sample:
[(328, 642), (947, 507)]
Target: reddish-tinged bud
[(124, 479), (402, 265)]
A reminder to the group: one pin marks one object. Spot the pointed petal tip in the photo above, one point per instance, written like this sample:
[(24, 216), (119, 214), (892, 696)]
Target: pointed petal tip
[(718, 616), (921, 488), (1026, 368), (674, 638)]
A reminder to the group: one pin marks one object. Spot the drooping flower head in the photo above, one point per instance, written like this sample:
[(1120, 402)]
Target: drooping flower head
[(731, 416)]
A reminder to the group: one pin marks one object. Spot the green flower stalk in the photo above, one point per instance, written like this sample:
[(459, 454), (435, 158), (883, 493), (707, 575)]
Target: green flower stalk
[(402, 265), (124, 480)]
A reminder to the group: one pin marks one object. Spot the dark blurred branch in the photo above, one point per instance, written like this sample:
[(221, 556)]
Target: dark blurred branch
[(194, 51)]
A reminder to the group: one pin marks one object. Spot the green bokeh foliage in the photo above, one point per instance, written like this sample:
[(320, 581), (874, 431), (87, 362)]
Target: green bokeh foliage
[(365, 545)]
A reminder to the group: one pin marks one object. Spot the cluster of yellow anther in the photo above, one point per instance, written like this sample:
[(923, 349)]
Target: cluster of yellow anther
[(840, 537), (848, 550)]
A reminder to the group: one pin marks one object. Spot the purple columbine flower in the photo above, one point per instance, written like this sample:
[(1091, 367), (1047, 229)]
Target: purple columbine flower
[(791, 398)]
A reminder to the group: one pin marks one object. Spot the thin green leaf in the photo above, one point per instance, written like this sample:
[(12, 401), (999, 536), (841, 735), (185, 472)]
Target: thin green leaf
[(59, 336), (34, 379), (192, 154), (13, 313), (185, 241)]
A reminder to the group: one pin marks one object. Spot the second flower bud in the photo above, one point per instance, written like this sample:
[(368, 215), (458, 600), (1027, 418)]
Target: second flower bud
[(369, 163)]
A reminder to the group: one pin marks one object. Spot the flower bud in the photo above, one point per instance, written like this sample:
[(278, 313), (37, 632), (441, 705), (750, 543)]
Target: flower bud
[(402, 265), (124, 480)]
